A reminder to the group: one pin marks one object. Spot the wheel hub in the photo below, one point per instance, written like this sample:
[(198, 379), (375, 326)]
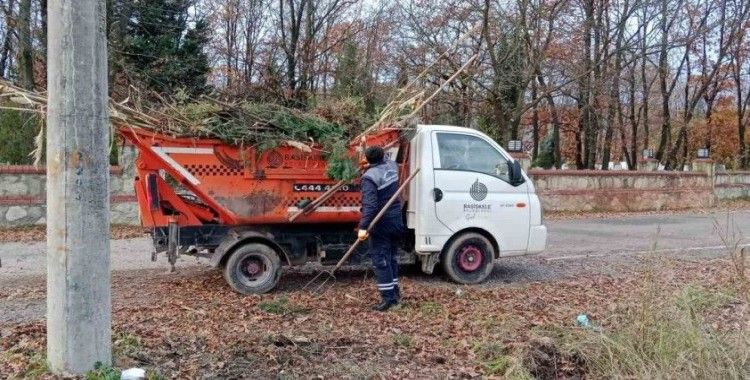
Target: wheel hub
[(470, 258), (253, 267)]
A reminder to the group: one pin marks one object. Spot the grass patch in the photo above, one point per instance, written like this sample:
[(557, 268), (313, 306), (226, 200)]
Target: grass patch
[(431, 308), (666, 338), (31, 361), (497, 360), (37, 365), (281, 306), (697, 299), (402, 340), (126, 344)]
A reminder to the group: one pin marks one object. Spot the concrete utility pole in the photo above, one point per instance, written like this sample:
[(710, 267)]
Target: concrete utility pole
[(79, 310)]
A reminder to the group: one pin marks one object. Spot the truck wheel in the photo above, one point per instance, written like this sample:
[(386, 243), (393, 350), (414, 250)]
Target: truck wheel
[(253, 269), (469, 258)]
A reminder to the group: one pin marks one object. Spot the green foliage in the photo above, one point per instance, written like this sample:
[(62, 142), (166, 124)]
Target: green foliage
[(546, 157), (281, 306), (102, 372), (352, 78), (488, 127), (266, 126), (349, 78), (508, 81), (17, 132), (340, 165), (162, 49)]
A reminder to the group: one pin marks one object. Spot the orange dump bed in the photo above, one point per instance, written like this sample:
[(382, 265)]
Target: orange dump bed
[(233, 185)]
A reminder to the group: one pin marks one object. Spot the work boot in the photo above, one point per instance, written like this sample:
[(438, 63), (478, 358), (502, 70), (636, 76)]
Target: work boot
[(397, 292), (384, 305)]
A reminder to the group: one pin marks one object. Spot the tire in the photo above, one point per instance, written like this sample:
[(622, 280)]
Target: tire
[(469, 258), (253, 269)]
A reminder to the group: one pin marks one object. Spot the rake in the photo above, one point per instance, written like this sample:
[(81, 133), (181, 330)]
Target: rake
[(353, 247)]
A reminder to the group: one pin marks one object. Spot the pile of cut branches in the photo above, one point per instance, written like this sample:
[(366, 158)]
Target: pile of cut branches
[(260, 125)]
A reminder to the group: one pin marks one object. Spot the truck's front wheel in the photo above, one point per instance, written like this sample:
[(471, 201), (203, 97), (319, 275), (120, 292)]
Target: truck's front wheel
[(469, 258), (253, 269)]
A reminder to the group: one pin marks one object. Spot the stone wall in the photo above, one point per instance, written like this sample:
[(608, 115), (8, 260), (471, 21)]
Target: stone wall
[(732, 185), (23, 197), (23, 193), (596, 190)]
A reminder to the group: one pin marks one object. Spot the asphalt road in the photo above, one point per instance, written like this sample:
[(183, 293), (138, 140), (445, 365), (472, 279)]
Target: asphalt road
[(570, 241), (576, 249)]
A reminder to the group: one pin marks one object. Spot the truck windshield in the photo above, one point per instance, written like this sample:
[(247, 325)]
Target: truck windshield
[(470, 153)]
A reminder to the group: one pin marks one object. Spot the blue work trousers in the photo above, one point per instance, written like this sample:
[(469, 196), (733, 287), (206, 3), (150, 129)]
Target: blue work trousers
[(384, 240)]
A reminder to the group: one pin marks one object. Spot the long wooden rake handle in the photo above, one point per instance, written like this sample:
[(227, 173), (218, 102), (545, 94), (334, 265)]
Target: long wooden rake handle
[(375, 220)]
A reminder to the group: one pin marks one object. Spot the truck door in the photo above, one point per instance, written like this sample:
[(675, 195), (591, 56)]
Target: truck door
[(472, 189)]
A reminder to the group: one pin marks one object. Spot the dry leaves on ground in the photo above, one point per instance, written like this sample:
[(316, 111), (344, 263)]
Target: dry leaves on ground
[(193, 326)]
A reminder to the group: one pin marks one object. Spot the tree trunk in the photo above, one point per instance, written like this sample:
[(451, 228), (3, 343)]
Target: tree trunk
[(25, 52), (741, 103), (645, 89), (633, 160), (666, 126), (535, 120), (579, 144), (43, 32), (7, 40)]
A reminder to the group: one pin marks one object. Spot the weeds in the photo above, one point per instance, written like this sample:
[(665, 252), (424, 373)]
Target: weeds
[(666, 339), (736, 246), (281, 306), (697, 299), (126, 344), (103, 372), (30, 358), (497, 360), (402, 340), (431, 308)]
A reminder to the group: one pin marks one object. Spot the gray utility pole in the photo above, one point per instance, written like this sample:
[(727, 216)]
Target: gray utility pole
[(79, 303)]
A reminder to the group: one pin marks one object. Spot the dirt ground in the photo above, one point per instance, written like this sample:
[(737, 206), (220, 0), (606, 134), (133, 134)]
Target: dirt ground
[(191, 325)]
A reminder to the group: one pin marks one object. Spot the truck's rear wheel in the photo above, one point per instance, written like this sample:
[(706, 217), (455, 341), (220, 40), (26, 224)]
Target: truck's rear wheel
[(469, 258), (253, 269)]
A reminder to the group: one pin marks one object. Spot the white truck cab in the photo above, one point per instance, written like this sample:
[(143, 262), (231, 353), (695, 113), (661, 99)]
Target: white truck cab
[(470, 204)]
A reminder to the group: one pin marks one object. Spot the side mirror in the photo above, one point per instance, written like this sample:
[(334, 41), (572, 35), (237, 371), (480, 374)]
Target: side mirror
[(515, 174)]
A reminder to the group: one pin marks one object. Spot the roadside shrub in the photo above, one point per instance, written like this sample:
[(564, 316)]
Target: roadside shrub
[(545, 158), (17, 132), (665, 339)]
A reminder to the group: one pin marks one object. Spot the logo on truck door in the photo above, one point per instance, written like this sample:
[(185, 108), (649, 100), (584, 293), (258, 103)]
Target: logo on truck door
[(478, 191)]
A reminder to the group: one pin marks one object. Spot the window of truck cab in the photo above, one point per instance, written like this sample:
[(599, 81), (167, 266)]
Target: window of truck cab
[(464, 152)]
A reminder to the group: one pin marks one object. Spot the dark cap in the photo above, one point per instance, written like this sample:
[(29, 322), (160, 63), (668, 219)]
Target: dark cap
[(374, 154)]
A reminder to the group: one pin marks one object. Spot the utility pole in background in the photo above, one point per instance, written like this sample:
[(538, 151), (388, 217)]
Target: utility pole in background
[(79, 307)]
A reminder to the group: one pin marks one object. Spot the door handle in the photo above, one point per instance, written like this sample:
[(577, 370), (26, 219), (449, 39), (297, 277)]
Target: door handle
[(437, 194)]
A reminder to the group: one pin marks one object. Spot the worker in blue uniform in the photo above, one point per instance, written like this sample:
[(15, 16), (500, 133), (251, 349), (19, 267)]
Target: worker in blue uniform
[(379, 183)]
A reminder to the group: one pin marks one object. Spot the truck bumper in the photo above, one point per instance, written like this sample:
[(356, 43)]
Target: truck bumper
[(537, 239)]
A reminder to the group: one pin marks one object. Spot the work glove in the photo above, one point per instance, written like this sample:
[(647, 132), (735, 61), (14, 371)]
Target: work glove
[(362, 235)]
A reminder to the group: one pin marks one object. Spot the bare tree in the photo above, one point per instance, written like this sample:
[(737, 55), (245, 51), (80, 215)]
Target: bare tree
[(25, 49)]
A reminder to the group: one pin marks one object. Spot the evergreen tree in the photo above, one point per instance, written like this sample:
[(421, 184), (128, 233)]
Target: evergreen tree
[(163, 49), (546, 157), (349, 78)]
